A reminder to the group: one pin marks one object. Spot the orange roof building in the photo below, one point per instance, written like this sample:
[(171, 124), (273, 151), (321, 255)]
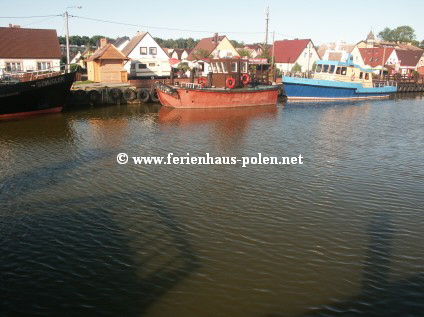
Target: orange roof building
[(107, 65)]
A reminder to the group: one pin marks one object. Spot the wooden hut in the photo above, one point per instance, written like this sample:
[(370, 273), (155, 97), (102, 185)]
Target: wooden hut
[(107, 65)]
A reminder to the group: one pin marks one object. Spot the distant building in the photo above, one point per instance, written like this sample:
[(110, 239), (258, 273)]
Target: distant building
[(287, 53), (147, 58), (107, 64), (335, 51), (214, 47), (24, 49)]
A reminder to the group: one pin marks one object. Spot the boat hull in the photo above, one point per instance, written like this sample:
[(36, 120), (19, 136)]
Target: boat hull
[(40, 96), (312, 89), (219, 98)]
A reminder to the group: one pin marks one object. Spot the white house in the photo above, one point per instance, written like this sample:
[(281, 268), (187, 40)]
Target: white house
[(24, 49), (288, 53), (147, 58), (215, 47)]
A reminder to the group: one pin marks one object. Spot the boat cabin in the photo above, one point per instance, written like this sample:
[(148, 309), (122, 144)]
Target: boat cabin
[(343, 71), (224, 69)]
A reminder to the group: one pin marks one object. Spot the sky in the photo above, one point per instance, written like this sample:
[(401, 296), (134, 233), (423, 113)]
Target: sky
[(322, 21)]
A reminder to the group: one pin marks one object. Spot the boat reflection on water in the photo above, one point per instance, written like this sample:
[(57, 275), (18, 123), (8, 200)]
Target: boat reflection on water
[(205, 115)]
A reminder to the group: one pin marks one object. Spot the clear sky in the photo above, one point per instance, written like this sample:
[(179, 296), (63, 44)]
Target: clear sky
[(323, 21)]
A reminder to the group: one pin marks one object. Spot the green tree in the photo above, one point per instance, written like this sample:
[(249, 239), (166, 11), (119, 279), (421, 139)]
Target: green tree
[(402, 34), (296, 68), (244, 52), (201, 53)]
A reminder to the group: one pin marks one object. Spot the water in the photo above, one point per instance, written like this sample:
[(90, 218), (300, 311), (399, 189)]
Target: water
[(340, 235)]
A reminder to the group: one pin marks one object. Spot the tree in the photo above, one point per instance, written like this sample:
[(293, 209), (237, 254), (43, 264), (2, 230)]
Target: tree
[(201, 53), (244, 52), (402, 34), (296, 68)]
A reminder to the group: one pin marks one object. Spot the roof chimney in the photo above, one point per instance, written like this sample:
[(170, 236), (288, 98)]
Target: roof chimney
[(215, 37), (103, 42)]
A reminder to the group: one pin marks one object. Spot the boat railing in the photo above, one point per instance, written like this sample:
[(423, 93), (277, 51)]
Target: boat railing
[(383, 83), (191, 85)]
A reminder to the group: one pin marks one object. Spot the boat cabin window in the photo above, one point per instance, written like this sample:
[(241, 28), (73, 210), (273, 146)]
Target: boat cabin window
[(318, 69), (219, 67), (338, 70), (215, 69), (233, 67), (367, 76), (325, 68), (361, 75), (332, 67), (224, 67), (344, 70), (243, 67)]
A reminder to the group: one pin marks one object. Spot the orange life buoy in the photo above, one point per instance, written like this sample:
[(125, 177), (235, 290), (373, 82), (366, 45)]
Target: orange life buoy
[(245, 78), (202, 81), (230, 82)]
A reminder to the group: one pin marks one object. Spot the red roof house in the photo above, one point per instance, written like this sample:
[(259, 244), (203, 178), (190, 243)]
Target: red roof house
[(219, 46), (289, 52), (24, 49)]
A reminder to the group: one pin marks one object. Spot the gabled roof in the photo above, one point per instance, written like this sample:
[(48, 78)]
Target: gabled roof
[(120, 40), (207, 44), (29, 43), (133, 43), (374, 56), (255, 47), (409, 58), (109, 51), (179, 52), (288, 51)]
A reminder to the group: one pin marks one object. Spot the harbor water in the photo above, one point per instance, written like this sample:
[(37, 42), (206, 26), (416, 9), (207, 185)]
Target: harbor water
[(339, 235)]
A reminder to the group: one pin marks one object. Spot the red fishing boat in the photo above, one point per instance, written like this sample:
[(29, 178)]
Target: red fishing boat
[(227, 85)]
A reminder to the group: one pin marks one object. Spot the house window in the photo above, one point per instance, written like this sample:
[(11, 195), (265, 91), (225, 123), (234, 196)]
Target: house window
[(371, 59), (153, 50), (13, 67), (142, 66), (304, 55), (233, 67), (376, 59), (43, 65), (143, 50)]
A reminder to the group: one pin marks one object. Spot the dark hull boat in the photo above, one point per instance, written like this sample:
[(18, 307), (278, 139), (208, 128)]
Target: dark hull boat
[(46, 95)]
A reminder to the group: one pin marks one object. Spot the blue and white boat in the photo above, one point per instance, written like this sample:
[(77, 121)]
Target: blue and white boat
[(337, 80)]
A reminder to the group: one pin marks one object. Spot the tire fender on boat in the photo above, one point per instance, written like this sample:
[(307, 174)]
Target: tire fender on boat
[(130, 94), (143, 95), (79, 96), (154, 96)]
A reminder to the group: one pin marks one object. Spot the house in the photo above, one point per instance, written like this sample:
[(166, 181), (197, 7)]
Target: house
[(24, 49), (288, 53), (146, 57), (121, 42), (374, 58), (215, 47), (254, 49), (107, 64), (409, 60)]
